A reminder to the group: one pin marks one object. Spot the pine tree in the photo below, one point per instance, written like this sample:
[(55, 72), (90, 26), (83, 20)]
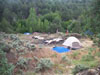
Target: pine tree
[(39, 25), (32, 20), (18, 29), (30, 29), (5, 26), (46, 25), (95, 17)]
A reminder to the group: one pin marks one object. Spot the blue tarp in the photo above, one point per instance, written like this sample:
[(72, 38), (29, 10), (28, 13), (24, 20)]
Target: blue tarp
[(88, 32), (27, 33), (61, 49)]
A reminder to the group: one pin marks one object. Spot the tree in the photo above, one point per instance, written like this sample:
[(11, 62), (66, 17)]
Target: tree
[(95, 17), (30, 30), (46, 25), (18, 29), (21, 26), (2, 6), (31, 21), (5, 26), (39, 25), (51, 10), (66, 24)]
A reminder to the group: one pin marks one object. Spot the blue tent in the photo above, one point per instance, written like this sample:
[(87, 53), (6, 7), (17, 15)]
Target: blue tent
[(88, 32), (27, 33), (60, 49)]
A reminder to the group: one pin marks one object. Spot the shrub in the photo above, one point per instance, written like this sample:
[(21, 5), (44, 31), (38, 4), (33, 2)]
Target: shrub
[(3, 36), (5, 47), (16, 43), (5, 68), (43, 63), (98, 54), (20, 49), (22, 63), (88, 57), (75, 54), (79, 68), (96, 40), (31, 46), (66, 59), (13, 37), (92, 49)]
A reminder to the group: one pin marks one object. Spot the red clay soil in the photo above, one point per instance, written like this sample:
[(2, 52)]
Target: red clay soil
[(12, 58)]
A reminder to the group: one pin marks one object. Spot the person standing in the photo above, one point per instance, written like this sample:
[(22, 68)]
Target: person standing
[(67, 32)]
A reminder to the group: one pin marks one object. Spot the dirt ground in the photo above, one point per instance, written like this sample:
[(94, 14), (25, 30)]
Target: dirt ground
[(45, 51)]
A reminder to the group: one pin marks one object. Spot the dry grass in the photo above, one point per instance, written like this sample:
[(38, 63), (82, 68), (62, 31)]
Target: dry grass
[(47, 52)]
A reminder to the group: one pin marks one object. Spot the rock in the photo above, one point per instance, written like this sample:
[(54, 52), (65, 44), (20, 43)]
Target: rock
[(88, 72), (92, 72)]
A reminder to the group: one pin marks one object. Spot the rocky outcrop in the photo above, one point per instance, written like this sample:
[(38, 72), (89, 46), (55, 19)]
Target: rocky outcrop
[(90, 72)]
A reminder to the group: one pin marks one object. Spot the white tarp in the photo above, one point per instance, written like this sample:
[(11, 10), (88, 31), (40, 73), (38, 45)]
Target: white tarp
[(57, 39), (53, 40), (38, 37)]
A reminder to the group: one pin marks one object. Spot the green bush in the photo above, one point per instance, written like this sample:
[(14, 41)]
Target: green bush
[(31, 46), (92, 49), (75, 54), (88, 57), (5, 47), (96, 40), (97, 54), (43, 63), (79, 68), (13, 37), (66, 59), (5, 68), (16, 43), (3, 36), (22, 63)]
